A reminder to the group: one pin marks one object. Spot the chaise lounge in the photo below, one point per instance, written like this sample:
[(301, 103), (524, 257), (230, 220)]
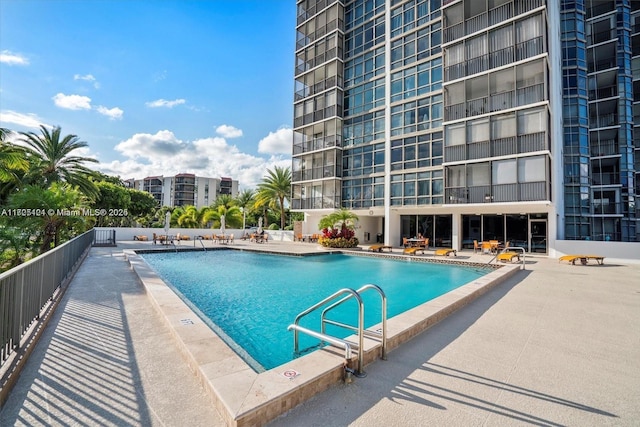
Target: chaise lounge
[(380, 248), (583, 259), (446, 252), (413, 250), (508, 256)]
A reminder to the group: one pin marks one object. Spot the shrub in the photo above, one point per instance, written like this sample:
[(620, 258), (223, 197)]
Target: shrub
[(338, 242)]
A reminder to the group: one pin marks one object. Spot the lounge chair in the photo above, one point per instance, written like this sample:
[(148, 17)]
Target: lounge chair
[(141, 238), (446, 252), (380, 248), (413, 250), (476, 247), (583, 259), (508, 256)]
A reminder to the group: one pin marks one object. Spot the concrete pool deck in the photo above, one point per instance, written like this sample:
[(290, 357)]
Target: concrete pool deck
[(555, 345)]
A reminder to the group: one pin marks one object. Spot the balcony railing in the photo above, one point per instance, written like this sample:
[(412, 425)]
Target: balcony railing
[(317, 144), (603, 92), (515, 192), (604, 148), (603, 120), (26, 290), (605, 178), (527, 143), (491, 17), (324, 202), (508, 55), (314, 173)]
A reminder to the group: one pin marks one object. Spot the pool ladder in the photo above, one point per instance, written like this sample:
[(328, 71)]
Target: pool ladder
[(338, 342)]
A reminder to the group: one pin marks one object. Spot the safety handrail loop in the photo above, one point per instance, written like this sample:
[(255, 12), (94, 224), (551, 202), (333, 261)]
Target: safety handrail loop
[(383, 303), (333, 296)]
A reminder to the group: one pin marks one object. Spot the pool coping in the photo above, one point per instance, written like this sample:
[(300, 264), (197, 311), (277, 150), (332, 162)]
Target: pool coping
[(244, 397)]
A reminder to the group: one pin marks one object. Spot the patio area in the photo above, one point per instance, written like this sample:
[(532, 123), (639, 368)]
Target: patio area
[(555, 345)]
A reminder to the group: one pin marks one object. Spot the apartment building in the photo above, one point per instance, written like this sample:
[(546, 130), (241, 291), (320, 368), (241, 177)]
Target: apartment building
[(185, 189), (469, 120)]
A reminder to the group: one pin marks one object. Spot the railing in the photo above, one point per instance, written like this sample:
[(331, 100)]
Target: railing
[(296, 327), (25, 290), (604, 148), (514, 192), (359, 329), (527, 143), (104, 238), (325, 202), (487, 18), (383, 331)]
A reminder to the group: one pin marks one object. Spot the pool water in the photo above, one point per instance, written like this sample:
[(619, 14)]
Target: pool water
[(250, 299)]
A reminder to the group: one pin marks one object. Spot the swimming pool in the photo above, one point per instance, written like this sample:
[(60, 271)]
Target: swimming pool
[(249, 298)]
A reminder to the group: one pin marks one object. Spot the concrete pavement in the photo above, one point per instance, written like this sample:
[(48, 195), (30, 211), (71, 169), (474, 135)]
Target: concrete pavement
[(558, 345)]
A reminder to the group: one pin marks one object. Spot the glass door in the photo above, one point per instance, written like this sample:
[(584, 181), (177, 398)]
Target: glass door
[(538, 236)]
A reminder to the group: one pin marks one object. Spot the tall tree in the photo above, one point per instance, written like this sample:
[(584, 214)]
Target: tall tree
[(245, 202), (13, 165), (276, 188), (59, 213), (53, 160)]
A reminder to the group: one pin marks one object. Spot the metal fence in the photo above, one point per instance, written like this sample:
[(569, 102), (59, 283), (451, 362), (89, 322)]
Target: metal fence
[(104, 238), (26, 289)]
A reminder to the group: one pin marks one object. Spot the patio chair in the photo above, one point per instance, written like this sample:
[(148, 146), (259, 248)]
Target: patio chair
[(476, 247)]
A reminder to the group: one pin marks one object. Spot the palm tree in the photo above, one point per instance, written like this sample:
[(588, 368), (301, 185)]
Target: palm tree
[(192, 217), (342, 218), (244, 201), (276, 187), (57, 220), (232, 216), (53, 162), (224, 200), (13, 164)]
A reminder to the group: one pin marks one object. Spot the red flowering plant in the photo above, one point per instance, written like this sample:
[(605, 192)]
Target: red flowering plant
[(338, 230)]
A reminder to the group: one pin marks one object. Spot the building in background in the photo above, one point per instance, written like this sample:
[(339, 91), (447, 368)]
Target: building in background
[(185, 189), (467, 120)]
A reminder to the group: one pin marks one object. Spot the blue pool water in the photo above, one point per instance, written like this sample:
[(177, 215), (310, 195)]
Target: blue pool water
[(250, 298)]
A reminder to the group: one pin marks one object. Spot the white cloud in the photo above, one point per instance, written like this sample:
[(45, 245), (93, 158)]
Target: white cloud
[(165, 154), (164, 103), (278, 142), (227, 131), (72, 102), (113, 113), (26, 120), (10, 58), (88, 78)]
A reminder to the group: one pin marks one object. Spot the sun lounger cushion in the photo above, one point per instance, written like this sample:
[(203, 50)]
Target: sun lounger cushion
[(583, 259), (446, 252), (508, 256), (413, 251)]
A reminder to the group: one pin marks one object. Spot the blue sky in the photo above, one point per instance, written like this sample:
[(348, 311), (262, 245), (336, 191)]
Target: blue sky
[(155, 87)]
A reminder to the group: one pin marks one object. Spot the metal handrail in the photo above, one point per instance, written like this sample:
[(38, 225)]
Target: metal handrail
[(324, 337), (382, 335), (295, 326)]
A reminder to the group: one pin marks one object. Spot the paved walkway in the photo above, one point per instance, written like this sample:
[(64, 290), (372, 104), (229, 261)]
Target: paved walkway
[(558, 347)]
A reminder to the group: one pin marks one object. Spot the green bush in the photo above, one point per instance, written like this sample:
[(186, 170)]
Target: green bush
[(338, 242), (274, 226)]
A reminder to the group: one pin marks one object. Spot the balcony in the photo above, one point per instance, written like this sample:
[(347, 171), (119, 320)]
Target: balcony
[(317, 144), (508, 55), (527, 143), (328, 171), (485, 19), (604, 148), (496, 102), (324, 202), (516, 192)]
